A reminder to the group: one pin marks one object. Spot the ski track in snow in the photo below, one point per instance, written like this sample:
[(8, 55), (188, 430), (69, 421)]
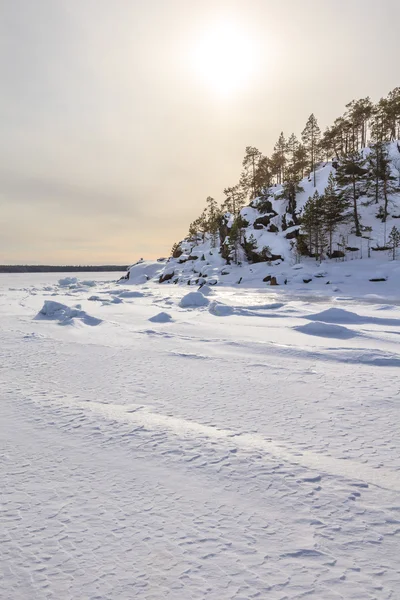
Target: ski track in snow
[(228, 457)]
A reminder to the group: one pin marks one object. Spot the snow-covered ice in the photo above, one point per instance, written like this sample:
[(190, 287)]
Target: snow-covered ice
[(250, 448)]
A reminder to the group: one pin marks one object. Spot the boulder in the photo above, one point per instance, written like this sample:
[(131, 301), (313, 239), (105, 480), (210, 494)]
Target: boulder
[(292, 235), (263, 221), (177, 252), (166, 276)]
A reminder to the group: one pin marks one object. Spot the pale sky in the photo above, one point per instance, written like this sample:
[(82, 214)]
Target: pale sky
[(119, 117)]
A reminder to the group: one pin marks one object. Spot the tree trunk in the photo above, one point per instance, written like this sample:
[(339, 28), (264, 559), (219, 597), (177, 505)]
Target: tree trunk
[(385, 195), (356, 220)]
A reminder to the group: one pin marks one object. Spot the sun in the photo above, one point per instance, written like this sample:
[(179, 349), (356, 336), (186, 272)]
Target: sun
[(225, 58)]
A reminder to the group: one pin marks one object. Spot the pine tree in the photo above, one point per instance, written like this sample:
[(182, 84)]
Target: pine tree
[(235, 199), (381, 184), (250, 164), (394, 113), (213, 220), (358, 115), (333, 209), (300, 161), (279, 157), (313, 225), (350, 179), (291, 148), (236, 238), (311, 136), (290, 189), (263, 176), (394, 240)]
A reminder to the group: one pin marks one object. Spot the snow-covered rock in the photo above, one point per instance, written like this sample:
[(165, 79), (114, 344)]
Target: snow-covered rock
[(193, 299)]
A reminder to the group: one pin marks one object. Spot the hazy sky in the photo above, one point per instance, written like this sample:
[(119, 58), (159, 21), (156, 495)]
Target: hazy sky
[(119, 117)]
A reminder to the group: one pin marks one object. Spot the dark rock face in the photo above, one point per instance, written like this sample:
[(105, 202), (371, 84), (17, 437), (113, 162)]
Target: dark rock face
[(307, 280), (273, 228), (273, 281), (177, 252), (265, 220), (265, 206), (337, 254), (267, 279), (166, 277), (193, 257), (378, 279), (292, 235)]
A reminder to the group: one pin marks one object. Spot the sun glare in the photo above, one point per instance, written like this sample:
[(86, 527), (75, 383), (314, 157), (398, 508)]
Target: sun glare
[(225, 58)]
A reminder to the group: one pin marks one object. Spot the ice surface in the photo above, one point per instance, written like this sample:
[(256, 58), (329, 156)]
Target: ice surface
[(199, 455)]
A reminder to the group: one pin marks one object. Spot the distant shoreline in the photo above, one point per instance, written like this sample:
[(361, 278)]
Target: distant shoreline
[(60, 269)]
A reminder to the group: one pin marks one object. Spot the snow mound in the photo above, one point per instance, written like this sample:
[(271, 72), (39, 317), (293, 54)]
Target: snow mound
[(326, 330), (89, 283), (193, 299), (65, 315), (206, 290), (220, 310), (161, 317), (337, 315), (67, 281)]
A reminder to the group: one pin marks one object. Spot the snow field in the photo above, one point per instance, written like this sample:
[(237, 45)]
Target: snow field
[(247, 447)]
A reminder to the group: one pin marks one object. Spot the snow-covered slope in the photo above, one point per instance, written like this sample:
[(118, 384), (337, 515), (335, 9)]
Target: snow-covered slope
[(197, 261)]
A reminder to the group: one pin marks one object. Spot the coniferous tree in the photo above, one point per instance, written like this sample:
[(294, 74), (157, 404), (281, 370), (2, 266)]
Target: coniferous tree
[(313, 224), (385, 122), (327, 143), (381, 184), (291, 148), (290, 189), (333, 209), (350, 178), (250, 164), (300, 161), (279, 158), (213, 220), (394, 240), (358, 114), (236, 238), (235, 199), (263, 176), (311, 136), (394, 113)]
